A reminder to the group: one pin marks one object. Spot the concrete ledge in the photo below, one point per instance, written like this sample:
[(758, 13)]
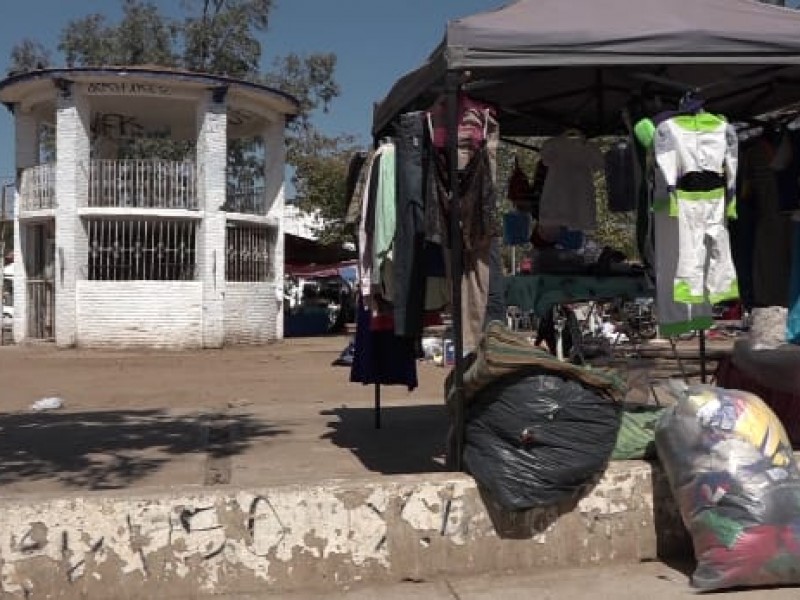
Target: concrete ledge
[(190, 542)]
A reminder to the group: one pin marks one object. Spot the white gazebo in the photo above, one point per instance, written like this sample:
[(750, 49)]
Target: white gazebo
[(149, 205)]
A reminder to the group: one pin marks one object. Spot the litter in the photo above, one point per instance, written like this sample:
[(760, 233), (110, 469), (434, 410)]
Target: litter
[(47, 404)]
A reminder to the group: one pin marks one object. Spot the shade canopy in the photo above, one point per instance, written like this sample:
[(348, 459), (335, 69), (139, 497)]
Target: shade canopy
[(302, 251), (550, 64)]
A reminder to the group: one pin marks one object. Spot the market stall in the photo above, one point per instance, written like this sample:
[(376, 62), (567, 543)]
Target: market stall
[(544, 72)]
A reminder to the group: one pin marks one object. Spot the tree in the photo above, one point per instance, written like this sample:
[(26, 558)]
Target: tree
[(324, 183), (220, 37), (28, 55)]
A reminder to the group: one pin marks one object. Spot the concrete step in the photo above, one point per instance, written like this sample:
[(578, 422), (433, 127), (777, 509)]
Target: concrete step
[(322, 537)]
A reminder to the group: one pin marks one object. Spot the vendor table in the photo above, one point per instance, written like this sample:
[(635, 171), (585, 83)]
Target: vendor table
[(539, 293)]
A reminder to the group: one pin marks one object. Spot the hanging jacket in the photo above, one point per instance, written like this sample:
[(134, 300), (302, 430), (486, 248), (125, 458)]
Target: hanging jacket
[(697, 143)]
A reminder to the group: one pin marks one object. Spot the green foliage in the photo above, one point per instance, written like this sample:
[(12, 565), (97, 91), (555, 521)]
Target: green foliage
[(220, 36), (142, 37), (310, 79), (323, 184), (28, 55)]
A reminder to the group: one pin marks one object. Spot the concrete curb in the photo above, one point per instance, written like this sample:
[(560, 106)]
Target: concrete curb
[(197, 541)]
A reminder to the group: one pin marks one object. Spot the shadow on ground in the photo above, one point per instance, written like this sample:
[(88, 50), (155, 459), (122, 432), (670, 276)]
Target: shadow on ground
[(412, 439), (112, 449)]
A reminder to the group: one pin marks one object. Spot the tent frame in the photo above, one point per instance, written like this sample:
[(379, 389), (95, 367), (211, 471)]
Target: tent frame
[(728, 67)]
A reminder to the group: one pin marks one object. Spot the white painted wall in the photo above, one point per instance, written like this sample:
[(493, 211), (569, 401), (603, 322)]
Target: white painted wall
[(72, 151), (212, 155), (27, 155), (160, 314), (204, 313), (251, 311)]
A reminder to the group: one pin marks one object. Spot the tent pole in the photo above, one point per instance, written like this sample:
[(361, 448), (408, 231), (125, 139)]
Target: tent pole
[(377, 406), (702, 356), (452, 87)]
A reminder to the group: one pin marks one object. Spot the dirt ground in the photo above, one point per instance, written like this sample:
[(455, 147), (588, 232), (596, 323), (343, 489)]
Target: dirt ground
[(248, 416)]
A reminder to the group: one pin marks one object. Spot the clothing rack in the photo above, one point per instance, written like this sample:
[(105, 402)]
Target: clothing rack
[(523, 145)]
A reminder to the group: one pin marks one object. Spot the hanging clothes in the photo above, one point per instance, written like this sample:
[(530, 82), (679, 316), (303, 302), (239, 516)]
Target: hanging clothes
[(413, 148), (356, 181), (568, 198), (620, 172), (478, 138), (771, 229), (793, 321), (674, 318), (477, 126), (366, 226), (385, 223), (517, 228), (786, 164), (697, 155), (537, 188), (379, 356), (478, 196)]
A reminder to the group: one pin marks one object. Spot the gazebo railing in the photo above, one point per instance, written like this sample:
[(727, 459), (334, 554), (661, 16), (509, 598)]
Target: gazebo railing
[(134, 183), (246, 198), (37, 190)]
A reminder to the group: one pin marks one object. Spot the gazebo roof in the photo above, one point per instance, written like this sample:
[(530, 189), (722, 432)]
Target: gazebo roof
[(17, 86)]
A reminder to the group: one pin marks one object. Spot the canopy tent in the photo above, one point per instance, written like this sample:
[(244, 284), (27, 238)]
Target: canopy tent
[(303, 251), (347, 270), (548, 64)]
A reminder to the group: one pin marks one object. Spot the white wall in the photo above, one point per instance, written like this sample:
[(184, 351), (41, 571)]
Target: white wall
[(251, 313), (162, 314), (212, 161), (72, 151)]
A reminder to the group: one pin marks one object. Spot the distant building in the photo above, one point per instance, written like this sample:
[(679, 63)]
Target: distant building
[(301, 223), (132, 228)]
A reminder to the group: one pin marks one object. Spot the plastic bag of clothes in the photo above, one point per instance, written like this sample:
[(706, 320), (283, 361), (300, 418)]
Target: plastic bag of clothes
[(538, 439), (734, 477)]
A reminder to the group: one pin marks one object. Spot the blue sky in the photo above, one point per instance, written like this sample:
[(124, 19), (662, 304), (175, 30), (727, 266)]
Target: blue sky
[(376, 41)]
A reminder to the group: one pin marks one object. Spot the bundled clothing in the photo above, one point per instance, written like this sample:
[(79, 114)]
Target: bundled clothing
[(733, 474)]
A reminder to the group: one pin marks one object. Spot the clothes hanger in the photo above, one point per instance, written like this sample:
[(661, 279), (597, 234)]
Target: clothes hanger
[(691, 103), (573, 133)]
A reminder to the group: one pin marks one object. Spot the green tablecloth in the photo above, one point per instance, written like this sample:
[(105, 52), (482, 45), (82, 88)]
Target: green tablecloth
[(540, 292)]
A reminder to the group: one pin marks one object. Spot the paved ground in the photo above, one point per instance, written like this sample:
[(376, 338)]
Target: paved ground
[(244, 416), (653, 581), (247, 416)]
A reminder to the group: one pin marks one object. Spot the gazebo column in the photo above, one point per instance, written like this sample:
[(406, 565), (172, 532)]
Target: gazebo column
[(72, 161), (274, 190), (212, 154), (27, 155)]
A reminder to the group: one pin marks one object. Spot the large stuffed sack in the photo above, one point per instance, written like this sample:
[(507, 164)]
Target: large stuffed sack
[(732, 471), (538, 439)]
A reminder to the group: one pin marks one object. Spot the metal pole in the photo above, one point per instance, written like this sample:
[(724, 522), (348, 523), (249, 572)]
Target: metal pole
[(513, 260), (377, 406), (452, 86), (702, 356)]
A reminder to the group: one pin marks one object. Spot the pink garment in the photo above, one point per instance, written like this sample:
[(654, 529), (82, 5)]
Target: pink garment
[(473, 121)]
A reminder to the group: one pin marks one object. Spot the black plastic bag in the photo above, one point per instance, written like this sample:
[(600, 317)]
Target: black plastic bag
[(539, 440)]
